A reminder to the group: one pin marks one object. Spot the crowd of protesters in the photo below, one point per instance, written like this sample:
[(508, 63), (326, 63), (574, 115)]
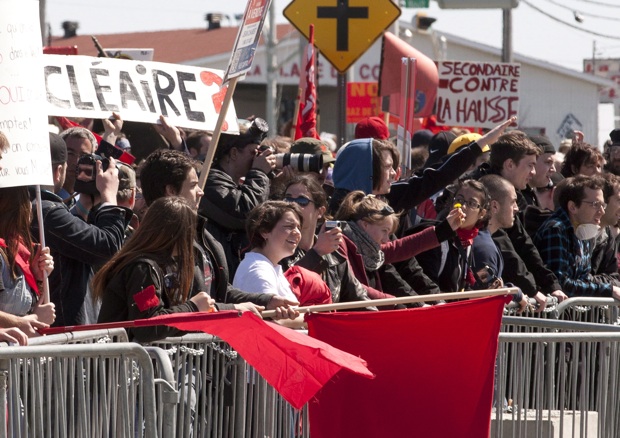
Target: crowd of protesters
[(283, 223)]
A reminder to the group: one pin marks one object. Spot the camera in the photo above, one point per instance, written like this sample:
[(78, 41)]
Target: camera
[(329, 225), (85, 173), (301, 162)]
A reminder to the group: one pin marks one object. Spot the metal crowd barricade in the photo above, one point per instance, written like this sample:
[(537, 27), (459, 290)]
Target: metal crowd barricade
[(582, 309), (557, 379), (221, 396), (84, 390)]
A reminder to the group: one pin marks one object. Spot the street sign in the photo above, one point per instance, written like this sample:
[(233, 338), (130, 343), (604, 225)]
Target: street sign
[(344, 29)]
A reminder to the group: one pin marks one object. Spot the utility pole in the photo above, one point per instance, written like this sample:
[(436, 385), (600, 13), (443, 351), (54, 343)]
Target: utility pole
[(42, 20), (507, 35), (272, 86)]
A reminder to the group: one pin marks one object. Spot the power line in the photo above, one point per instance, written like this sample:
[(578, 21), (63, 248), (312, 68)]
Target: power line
[(536, 8), (585, 14), (594, 2)]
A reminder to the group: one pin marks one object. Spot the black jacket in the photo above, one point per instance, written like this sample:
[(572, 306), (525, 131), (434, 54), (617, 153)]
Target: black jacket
[(335, 271), (226, 205), (77, 247)]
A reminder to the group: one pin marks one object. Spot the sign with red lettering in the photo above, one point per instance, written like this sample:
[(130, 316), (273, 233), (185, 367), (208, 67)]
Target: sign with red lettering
[(247, 38), (83, 86), (480, 94), (362, 101)]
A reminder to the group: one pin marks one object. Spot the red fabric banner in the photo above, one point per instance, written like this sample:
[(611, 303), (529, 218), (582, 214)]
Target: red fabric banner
[(427, 77), (306, 118), (434, 371), (295, 364)]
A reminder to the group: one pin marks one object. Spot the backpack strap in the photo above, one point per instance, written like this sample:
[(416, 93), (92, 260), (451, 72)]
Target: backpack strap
[(159, 275)]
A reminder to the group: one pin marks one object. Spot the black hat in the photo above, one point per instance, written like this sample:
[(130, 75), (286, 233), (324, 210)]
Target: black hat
[(58, 149), (615, 137), (543, 143), (255, 134), (421, 138), (438, 147)]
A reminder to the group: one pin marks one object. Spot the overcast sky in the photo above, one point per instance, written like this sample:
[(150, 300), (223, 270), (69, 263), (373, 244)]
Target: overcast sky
[(534, 34)]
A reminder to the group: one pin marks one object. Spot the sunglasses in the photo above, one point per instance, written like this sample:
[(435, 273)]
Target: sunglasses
[(300, 200)]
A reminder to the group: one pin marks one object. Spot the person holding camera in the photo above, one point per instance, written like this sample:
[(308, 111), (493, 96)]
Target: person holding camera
[(237, 182), (78, 245)]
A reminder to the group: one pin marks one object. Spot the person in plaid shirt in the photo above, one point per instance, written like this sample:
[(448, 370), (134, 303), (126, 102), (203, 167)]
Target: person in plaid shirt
[(565, 239)]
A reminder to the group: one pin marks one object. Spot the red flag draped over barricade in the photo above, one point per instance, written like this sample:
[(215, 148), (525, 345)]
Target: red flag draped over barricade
[(306, 117), (427, 77), (434, 371)]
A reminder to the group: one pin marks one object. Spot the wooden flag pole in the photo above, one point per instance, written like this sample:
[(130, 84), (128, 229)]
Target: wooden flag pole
[(401, 300), (45, 295), (206, 165)]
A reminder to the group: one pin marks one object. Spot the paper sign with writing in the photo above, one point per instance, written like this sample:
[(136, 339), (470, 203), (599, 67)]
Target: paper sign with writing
[(84, 86), (481, 94), (247, 38), (23, 119)]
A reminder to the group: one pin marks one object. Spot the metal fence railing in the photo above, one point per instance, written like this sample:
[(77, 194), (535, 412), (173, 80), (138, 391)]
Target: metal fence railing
[(222, 396), (85, 390), (581, 309)]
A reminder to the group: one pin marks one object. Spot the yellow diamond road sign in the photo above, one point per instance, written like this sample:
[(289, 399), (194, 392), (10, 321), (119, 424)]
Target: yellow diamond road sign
[(343, 29)]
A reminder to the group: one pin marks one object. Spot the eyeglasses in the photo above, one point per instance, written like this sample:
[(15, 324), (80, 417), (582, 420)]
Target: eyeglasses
[(596, 204), (300, 200), (474, 205)]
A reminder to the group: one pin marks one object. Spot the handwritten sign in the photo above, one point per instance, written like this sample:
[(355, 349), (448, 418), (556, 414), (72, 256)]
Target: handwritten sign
[(480, 94), (84, 86), (22, 97)]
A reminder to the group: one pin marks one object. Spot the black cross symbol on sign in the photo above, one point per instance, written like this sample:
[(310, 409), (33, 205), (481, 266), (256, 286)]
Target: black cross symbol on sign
[(342, 13)]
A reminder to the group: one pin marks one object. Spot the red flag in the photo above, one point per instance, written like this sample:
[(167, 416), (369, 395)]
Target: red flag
[(295, 364), (306, 118), (427, 77), (434, 371)]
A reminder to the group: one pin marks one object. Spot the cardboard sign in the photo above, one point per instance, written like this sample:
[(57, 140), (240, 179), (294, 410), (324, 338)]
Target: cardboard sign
[(84, 86), (362, 101), (480, 94), (23, 118), (247, 38)]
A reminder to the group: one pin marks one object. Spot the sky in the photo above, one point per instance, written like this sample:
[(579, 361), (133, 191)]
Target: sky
[(542, 29)]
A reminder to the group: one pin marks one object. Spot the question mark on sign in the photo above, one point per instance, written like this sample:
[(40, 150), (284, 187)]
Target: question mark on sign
[(209, 78)]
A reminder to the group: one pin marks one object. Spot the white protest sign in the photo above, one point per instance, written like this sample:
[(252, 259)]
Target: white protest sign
[(22, 97), (84, 86), (479, 94), (247, 38), (135, 54)]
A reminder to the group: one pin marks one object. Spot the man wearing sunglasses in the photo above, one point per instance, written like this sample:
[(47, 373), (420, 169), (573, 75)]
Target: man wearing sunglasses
[(565, 240)]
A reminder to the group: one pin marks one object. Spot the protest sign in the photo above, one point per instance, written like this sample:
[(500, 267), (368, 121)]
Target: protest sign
[(135, 54), (22, 97), (362, 101), (84, 86), (247, 38), (481, 94)]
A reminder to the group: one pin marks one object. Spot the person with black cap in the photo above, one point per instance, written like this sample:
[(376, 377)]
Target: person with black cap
[(613, 153), (237, 182), (77, 245)]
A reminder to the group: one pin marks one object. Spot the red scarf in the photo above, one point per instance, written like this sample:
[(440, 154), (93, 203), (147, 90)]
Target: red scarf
[(467, 236), (22, 259)]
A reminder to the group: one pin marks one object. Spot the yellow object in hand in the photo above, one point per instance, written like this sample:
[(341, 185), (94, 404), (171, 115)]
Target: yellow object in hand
[(457, 205)]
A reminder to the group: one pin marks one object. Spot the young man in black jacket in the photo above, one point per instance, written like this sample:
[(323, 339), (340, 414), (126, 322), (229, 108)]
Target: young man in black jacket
[(77, 245)]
